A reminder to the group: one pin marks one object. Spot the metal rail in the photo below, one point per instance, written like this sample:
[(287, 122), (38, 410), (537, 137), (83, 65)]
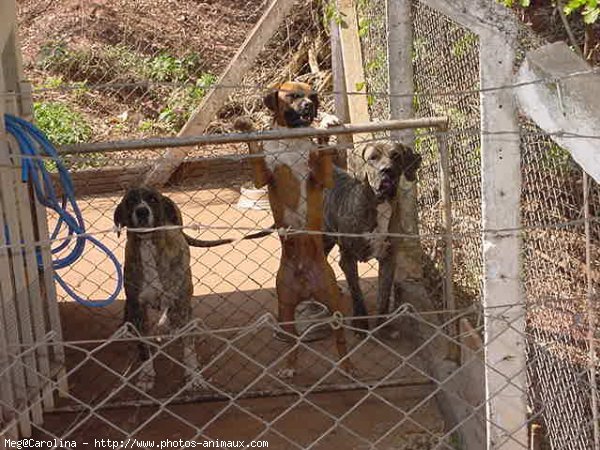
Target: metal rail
[(270, 135)]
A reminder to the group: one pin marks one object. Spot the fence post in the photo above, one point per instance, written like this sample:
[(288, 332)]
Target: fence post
[(503, 304), (339, 89), (354, 77), (400, 66), (409, 257), (408, 282), (14, 288)]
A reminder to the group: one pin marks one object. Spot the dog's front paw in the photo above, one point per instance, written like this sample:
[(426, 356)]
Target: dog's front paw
[(286, 373), (361, 326), (145, 384), (145, 380), (243, 124), (329, 120), (195, 381), (349, 368)]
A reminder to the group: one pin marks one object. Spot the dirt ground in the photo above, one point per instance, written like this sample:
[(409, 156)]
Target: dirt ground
[(213, 29), (234, 287)]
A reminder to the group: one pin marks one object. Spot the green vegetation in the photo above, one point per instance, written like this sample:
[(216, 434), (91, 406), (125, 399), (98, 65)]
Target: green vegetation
[(419, 51), (455, 441), (117, 62), (463, 45), (147, 78), (588, 9), (511, 3), (378, 62), (60, 123), (165, 67), (332, 13), (557, 158), (182, 102)]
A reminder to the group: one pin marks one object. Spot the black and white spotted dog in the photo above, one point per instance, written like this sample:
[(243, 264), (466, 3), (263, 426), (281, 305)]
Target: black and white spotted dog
[(157, 274), (365, 206)]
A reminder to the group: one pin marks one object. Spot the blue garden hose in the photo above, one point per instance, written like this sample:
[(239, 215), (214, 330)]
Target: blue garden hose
[(33, 143)]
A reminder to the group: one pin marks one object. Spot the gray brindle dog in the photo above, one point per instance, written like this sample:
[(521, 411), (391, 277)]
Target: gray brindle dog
[(365, 206), (158, 278)]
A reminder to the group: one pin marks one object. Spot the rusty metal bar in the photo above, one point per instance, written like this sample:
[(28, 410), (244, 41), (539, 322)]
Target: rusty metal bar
[(235, 138)]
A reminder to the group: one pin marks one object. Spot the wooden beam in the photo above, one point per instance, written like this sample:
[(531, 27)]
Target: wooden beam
[(354, 77), (20, 327), (12, 386), (8, 10), (339, 89), (232, 76)]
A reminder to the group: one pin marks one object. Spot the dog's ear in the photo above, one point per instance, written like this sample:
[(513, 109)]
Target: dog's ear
[(314, 97), (408, 160), (271, 99), (121, 217), (171, 210), (411, 172)]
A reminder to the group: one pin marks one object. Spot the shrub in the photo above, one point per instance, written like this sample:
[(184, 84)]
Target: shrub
[(61, 124)]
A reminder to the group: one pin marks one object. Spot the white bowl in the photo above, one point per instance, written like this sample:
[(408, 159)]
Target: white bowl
[(251, 198), (305, 311), (311, 310)]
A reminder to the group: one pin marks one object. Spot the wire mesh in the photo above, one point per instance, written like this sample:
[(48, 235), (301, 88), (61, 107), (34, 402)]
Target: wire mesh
[(445, 61), (127, 76)]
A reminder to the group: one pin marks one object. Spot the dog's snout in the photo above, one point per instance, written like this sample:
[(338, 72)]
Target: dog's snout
[(387, 171), (142, 213), (306, 106)]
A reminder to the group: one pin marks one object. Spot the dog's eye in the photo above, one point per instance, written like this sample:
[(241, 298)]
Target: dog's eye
[(153, 200)]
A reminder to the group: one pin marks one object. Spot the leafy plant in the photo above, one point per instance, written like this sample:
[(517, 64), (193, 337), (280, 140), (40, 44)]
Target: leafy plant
[(204, 82), (557, 158), (61, 124), (50, 52), (462, 46), (182, 102), (166, 67), (511, 3), (419, 50), (377, 63), (332, 13), (588, 8), (363, 26)]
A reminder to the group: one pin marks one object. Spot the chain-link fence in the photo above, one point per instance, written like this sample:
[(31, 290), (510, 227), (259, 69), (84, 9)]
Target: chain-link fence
[(110, 72), (446, 67)]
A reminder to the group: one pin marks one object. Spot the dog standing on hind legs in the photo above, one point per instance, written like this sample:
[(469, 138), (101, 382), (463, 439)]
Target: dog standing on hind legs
[(296, 173), (157, 275)]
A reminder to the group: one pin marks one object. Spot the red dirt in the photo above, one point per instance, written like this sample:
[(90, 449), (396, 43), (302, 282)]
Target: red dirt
[(233, 288)]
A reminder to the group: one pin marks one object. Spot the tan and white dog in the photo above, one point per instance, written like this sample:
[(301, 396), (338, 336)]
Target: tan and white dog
[(157, 274), (296, 173)]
